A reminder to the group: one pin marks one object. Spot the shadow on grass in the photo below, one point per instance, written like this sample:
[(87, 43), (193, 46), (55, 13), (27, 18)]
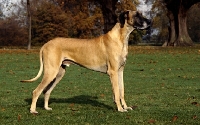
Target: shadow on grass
[(81, 99)]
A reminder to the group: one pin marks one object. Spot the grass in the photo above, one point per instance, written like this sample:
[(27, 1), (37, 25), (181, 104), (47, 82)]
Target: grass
[(162, 82)]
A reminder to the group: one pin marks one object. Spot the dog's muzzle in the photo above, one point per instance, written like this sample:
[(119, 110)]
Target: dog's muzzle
[(146, 25)]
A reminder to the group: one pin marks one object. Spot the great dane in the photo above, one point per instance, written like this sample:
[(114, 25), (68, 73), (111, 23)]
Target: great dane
[(106, 53)]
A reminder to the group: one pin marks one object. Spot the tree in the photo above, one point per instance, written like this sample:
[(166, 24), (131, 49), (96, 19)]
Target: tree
[(177, 14), (193, 23), (160, 23), (48, 22), (11, 32), (109, 8), (1, 12), (29, 24), (12, 28), (86, 17), (106, 10)]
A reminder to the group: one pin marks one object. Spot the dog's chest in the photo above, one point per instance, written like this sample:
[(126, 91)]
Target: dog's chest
[(123, 55)]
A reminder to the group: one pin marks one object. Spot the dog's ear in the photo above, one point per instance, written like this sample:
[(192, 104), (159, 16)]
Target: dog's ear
[(122, 17)]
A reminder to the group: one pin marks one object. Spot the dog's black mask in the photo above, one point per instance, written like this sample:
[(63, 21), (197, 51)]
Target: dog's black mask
[(134, 19)]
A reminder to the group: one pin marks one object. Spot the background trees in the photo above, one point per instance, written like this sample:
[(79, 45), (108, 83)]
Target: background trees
[(85, 17), (174, 21), (12, 25), (193, 23), (48, 22), (12, 33), (177, 12), (29, 23), (75, 18)]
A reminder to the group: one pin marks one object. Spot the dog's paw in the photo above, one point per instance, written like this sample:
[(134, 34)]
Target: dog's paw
[(128, 108), (48, 108), (122, 110), (33, 112)]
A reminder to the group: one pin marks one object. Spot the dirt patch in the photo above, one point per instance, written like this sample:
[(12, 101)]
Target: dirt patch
[(11, 51)]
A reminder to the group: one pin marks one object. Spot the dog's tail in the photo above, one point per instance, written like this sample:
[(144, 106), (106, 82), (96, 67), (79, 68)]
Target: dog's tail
[(40, 71)]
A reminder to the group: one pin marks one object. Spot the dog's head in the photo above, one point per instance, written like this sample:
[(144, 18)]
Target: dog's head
[(134, 19)]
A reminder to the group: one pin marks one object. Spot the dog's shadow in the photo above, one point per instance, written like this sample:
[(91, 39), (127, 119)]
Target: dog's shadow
[(81, 99)]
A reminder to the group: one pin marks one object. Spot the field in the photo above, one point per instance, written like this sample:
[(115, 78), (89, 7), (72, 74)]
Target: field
[(162, 84)]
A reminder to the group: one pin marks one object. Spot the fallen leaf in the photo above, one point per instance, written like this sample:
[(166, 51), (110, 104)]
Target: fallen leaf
[(197, 104), (151, 121), (71, 105), (194, 103), (102, 95), (174, 118), (19, 118), (128, 116), (73, 109), (194, 117)]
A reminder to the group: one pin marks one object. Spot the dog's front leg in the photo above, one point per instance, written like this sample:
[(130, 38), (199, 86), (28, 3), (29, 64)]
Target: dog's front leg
[(115, 87), (121, 89)]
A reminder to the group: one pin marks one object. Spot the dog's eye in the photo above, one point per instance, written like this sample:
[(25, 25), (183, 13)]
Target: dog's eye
[(137, 18)]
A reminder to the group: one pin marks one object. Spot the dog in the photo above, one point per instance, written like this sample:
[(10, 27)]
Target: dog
[(106, 53)]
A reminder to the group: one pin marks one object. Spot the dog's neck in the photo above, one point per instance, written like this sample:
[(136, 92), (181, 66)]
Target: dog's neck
[(122, 32)]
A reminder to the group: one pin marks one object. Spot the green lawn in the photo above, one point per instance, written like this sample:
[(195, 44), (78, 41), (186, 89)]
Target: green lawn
[(164, 84)]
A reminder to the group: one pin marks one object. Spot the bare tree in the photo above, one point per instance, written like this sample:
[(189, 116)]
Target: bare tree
[(29, 24)]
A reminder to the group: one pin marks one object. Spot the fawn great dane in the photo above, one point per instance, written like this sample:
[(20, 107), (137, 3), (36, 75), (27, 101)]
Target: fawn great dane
[(106, 53)]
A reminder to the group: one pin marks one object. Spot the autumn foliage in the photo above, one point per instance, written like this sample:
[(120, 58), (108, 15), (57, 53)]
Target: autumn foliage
[(12, 32), (84, 19), (48, 22)]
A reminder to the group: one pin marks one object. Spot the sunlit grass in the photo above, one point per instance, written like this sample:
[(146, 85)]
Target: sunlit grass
[(162, 82)]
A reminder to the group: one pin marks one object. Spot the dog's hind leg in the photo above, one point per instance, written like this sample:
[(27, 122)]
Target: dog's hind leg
[(49, 76), (47, 91)]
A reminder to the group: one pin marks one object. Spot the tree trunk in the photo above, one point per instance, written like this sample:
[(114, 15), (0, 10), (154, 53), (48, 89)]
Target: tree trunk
[(172, 29), (183, 36), (178, 33), (29, 34), (177, 14), (29, 24), (108, 9)]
